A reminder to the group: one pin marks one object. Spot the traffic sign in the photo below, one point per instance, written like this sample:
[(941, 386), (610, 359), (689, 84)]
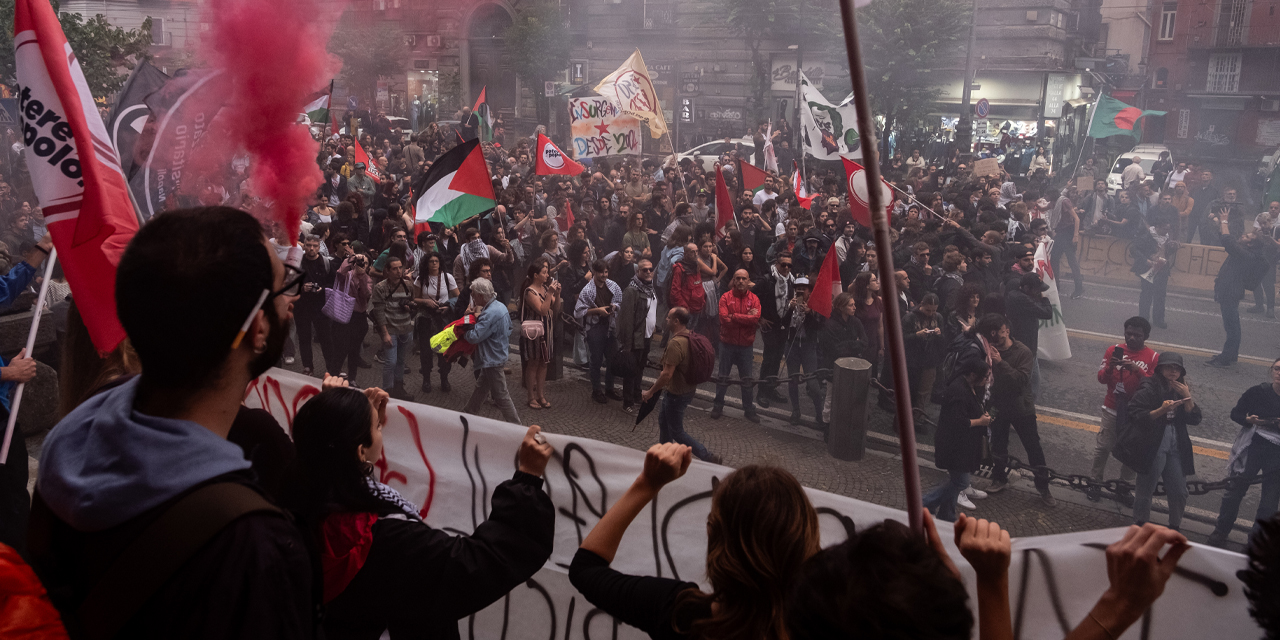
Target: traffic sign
[(982, 108)]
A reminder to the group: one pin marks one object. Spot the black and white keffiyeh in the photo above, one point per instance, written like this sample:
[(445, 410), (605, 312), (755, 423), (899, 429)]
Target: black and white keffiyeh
[(391, 496), (473, 251)]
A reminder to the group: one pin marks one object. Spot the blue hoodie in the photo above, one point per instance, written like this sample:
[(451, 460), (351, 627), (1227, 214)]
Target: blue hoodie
[(105, 463)]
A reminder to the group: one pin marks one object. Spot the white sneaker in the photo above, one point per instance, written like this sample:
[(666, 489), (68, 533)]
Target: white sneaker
[(975, 494), (963, 501), (288, 360)]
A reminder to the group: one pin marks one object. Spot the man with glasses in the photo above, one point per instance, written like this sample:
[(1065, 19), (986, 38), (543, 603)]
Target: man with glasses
[(127, 455), (637, 320), (307, 309), (774, 292)]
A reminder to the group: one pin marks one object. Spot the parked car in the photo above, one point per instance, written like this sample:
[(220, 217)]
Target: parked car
[(1147, 154), (708, 153)]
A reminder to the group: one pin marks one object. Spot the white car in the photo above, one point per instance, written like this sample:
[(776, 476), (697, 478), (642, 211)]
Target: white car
[(708, 153), (1147, 154)]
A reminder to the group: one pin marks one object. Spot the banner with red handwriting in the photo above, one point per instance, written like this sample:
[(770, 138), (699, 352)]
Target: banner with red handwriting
[(448, 463), (600, 128)]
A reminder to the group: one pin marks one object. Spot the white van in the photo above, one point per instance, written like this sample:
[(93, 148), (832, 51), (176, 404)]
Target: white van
[(1147, 154), (708, 153)]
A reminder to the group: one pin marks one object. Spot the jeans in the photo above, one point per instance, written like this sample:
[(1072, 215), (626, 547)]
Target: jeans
[(600, 344), (631, 392), (1265, 293), (306, 319), (1168, 467), (671, 423), (1105, 442), (396, 355), (942, 498), (1151, 300), (492, 381), (1029, 434), (743, 357), (1067, 246), (1230, 324), (15, 502), (775, 342), (1264, 457)]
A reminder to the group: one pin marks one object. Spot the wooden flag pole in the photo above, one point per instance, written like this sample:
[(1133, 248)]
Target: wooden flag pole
[(884, 256), (31, 344)]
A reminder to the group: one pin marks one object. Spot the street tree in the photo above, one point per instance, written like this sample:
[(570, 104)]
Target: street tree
[(368, 49), (538, 43), (106, 53), (906, 45)]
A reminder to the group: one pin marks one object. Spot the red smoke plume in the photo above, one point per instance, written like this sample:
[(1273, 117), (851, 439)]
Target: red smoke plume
[(274, 54)]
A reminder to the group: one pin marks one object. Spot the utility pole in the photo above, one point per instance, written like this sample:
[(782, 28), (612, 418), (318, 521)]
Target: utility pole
[(964, 129)]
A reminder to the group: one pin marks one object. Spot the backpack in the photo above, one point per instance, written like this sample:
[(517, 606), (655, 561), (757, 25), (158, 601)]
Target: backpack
[(947, 370), (702, 359)]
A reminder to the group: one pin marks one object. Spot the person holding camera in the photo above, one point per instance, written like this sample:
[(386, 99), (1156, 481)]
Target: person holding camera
[(437, 292), (306, 310), (1256, 450), (597, 309), (393, 310), (353, 273)]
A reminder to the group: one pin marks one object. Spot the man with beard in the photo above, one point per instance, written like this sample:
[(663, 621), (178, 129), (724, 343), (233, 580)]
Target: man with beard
[(148, 461)]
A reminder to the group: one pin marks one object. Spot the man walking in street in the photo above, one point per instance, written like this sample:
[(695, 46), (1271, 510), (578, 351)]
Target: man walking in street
[(637, 320), (361, 183), (676, 365), (1240, 272), (307, 310), (1123, 368), (1026, 307), (597, 311), (739, 317), (492, 337), (1014, 407), (774, 292), (393, 316)]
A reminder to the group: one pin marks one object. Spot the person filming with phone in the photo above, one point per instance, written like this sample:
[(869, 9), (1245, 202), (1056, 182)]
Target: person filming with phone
[(1154, 440), (1257, 449)]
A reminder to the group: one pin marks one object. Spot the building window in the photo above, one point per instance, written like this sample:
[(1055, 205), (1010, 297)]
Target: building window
[(1224, 73), (1167, 14), (1161, 80)]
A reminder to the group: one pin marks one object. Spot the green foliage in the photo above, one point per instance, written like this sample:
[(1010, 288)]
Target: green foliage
[(538, 42), (368, 49), (106, 53), (903, 44)]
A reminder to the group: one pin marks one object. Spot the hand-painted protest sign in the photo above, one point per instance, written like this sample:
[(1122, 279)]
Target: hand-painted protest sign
[(448, 463), (1053, 343), (600, 128)]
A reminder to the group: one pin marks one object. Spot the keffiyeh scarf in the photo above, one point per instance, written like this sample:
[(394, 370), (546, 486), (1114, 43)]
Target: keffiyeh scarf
[(645, 287), (391, 496), (781, 287), (472, 251)]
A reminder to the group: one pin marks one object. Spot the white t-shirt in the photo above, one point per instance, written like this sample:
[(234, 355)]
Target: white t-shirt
[(431, 287), (651, 320), (763, 197)]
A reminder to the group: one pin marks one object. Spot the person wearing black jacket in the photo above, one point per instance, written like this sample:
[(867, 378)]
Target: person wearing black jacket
[(1026, 306), (1153, 254), (1256, 450), (958, 443), (414, 581), (1012, 403), (1240, 272), (926, 347), (1154, 441), (307, 311), (803, 328), (775, 292)]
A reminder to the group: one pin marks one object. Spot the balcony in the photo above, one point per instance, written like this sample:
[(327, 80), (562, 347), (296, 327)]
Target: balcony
[(659, 15), (1233, 35)]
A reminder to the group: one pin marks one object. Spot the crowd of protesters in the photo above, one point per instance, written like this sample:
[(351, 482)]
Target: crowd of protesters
[(304, 538)]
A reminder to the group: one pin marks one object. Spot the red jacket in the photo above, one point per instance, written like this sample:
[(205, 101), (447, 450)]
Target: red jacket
[(686, 289), (739, 317), (1124, 381)]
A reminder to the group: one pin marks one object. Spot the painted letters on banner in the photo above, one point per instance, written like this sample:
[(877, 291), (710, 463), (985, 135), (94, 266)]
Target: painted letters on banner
[(449, 462), (600, 128), (1053, 341)]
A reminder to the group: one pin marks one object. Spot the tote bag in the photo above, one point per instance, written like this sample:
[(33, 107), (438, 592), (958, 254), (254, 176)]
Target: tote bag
[(339, 304)]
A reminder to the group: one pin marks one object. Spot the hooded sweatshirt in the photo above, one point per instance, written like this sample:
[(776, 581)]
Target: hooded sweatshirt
[(105, 463)]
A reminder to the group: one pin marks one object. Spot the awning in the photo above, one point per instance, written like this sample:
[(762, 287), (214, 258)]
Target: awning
[(1078, 102)]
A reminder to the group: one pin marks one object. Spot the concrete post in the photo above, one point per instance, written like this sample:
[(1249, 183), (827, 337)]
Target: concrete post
[(850, 387), (559, 334)]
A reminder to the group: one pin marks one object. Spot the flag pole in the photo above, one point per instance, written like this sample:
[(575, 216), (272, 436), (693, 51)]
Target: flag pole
[(1093, 111), (884, 256), (31, 344)]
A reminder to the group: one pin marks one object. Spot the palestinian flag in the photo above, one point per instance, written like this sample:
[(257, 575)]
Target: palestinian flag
[(317, 109), (484, 115), (753, 177), (1113, 118), (369, 167), (456, 188)]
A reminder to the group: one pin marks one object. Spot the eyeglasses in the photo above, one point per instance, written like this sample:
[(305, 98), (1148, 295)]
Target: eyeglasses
[(649, 270), (294, 279), (784, 265)]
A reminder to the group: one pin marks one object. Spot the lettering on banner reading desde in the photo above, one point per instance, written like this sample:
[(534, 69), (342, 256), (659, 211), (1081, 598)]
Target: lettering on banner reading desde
[(57, 144)]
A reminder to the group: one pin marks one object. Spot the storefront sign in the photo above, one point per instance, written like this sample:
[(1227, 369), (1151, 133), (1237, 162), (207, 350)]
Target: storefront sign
[(1054, 94), (1268, 133), (783, 73)]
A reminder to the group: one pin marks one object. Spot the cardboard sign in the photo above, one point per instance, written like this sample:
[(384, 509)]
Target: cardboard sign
[(986, 167)]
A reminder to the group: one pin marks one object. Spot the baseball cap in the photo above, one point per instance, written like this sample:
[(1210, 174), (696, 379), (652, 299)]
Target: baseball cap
[(1033, 280), (360, 165), (802, 281)]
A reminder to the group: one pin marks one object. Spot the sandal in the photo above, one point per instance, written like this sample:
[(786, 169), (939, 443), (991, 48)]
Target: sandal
[(533, 404), (544, 403)]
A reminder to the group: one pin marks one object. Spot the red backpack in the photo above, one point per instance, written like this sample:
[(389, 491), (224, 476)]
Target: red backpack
[(702, 359)]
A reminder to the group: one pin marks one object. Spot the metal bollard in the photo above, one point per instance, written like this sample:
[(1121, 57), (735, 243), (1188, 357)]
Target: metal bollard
[(850, 386), (555, 370)]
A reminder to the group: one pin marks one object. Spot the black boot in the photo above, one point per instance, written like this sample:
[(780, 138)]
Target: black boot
[(444, 383)]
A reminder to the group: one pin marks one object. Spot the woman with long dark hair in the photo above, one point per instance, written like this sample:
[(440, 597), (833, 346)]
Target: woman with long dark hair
[(539, 303), (760, 530), (866, 294), (384, 568), (437, 293), (958, 442), (622, 267)]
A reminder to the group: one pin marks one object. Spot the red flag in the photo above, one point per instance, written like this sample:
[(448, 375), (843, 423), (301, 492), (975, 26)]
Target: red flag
[(75, 169), (859, 206), (752, 177), (824, 285), (551, 160), (724, 206), (565, 220), (369, 167), (797, 185)]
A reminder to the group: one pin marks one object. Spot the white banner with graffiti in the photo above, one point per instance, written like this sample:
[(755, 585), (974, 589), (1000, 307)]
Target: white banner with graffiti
[(1053, 342), (600, 128), (450, 462)]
